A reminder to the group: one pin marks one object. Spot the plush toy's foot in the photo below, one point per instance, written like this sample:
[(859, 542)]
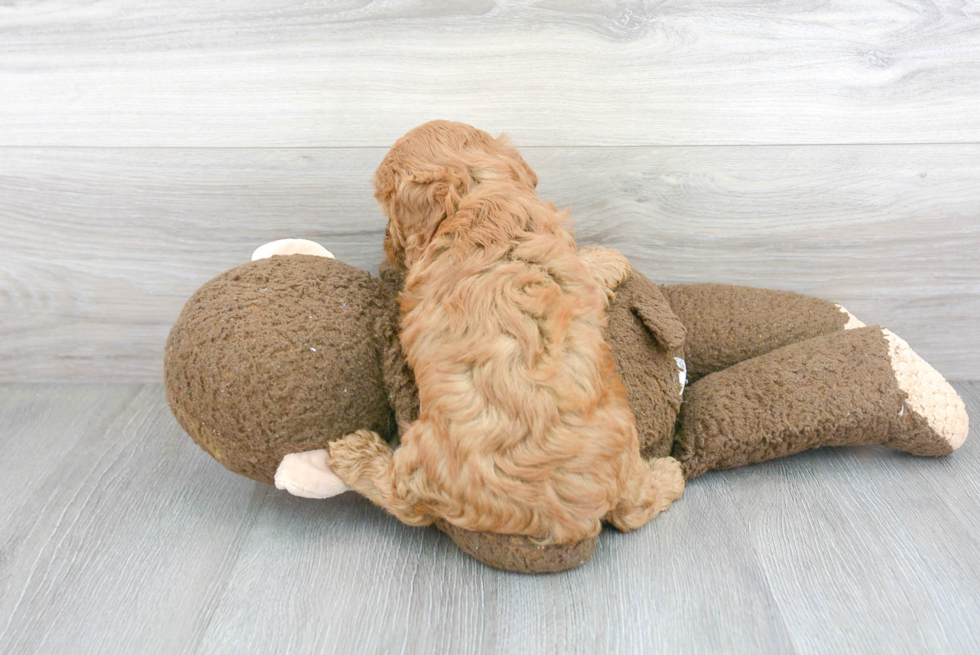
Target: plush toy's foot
[(934, 405), (849, 388), (308, 475), (852, 321), (941, 413), (517, 553)]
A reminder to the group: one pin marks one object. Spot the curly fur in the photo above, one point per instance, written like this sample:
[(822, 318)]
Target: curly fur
[(524, 426)]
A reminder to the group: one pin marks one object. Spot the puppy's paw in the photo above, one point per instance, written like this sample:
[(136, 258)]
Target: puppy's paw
[(608, 267), (349, 456), (308, 475), (669, 477), (651, 492)]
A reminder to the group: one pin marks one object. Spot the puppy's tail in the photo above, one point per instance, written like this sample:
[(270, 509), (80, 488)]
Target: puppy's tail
[(651, 490), (367, 465)]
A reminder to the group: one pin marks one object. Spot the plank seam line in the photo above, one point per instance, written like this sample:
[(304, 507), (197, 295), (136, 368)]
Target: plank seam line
[(528, 147)]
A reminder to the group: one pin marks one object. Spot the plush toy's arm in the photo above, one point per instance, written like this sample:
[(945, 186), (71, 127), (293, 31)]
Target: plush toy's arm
[(847, 388), (290, 247), (727, 324), (308, 474)]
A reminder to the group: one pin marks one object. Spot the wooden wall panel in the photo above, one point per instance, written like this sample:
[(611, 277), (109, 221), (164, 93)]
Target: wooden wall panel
[(289, 73), (101, 246)]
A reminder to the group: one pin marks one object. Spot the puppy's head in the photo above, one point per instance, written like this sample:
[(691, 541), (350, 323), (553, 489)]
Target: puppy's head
[(427, 172)]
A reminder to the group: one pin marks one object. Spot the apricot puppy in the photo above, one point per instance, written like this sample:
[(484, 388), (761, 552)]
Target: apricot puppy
[(524, 427)]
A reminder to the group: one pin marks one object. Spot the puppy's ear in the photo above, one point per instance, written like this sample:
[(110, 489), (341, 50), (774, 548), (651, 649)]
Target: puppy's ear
[(445, 187), (384, 180), (519, 168), (394, 245)]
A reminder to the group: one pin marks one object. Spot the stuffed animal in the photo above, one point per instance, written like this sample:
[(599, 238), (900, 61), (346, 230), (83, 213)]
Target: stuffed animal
[(274, 359)]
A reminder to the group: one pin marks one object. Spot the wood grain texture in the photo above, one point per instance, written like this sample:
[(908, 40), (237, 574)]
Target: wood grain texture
[(586, 72), (122, 536), (421, 594), (38, 429), (101, 247), (881, 529)]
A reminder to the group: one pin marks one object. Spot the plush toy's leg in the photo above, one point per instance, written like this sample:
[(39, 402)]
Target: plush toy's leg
[(727, 324), (854, 387), (367, 464)]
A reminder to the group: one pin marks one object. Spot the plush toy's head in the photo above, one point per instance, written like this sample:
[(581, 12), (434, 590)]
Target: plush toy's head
[(278, 356)]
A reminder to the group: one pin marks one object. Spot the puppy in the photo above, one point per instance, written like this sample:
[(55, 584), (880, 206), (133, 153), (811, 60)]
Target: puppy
[(524, 427)]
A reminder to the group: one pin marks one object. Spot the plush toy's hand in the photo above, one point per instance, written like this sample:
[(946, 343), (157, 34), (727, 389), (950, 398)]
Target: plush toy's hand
[(291, 247), (308, 475)]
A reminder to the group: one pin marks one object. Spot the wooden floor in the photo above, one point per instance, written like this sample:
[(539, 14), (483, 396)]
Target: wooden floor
[(118, 535)]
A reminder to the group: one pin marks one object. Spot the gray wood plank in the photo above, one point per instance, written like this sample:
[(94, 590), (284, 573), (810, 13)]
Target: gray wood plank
[(869, 550), (127, 538), (131, 533), (38, 429), (964, 466), (127, 73), (339, 576), (101, 247)]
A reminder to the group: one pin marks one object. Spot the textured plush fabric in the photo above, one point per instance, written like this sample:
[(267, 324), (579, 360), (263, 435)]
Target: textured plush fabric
[(727, 324), (520, 554), (259, 364), (834, 390)]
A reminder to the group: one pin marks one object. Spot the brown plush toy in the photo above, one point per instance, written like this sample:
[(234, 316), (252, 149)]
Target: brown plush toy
[(271, 361)]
